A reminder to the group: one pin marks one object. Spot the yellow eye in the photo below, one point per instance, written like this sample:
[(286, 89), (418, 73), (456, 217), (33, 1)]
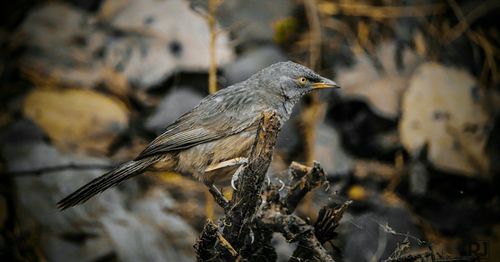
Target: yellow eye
[(302, 80)]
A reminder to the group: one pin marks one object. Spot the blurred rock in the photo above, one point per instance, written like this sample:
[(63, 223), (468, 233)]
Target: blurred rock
[(179, 39), (4, 213), (93, 248), (177, 102), (113, 223), (289, 145), (373, 235), (283, 249), (59, 42), (253, 19), (493, 145), (22, 131), (149, 233), (456, 205), (78, 120), (380, 84), (38, 194), (172, 228), (364, 133), (419, 178), (443, 109), (143, 42), (329, 152), (251, 61)]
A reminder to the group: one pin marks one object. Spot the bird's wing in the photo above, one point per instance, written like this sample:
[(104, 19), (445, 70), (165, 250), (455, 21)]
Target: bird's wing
[(223, 114)]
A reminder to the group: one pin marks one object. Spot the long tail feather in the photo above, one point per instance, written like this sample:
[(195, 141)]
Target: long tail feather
[(109, 179)]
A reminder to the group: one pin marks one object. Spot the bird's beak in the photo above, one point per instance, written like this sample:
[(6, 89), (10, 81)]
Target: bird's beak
[(325, 83)]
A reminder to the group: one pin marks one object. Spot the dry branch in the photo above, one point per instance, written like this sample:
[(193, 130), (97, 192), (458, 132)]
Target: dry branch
[(205, 245), (243, 205), (295, 229), (253, 214), (306, 179)]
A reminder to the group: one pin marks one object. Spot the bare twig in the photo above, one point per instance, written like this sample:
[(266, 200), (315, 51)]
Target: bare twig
[(373, 11), (315, 110), (466, 20), (223, 242), (315, 32), (328, 220), (295, 229), (50, 169), (218, 196), (305, 182)]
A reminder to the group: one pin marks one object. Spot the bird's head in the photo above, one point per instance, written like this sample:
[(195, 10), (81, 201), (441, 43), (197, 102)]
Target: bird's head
[(292, 80)]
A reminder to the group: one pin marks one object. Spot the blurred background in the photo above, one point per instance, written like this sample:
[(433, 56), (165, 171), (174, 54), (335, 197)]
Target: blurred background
[(413, 136)]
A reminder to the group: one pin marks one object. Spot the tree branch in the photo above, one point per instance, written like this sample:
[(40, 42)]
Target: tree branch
[(306, 179), (243, 205), (253, 214)]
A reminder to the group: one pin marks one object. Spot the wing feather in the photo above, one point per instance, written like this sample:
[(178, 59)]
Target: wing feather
[(226, 113)]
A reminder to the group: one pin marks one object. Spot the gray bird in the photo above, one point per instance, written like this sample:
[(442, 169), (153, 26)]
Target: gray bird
[(214, 139)]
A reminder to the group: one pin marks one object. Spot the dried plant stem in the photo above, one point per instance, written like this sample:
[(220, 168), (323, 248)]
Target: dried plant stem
[(313, 114), (315, 33), (212, 78), (380, 12), (465, 20), (212, 71)]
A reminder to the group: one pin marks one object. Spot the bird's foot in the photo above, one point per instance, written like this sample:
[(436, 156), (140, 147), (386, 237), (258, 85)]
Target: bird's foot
[(229, 163), (235, 177)]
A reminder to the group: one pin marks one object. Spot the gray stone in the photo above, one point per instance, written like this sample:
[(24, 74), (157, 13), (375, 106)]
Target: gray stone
[(114, 222), (329, 152), (38, 194), (373, 236), (251, 62), (180, 236), (380, 89), (142, 41), (253, 18), (444, 108), (171, 36), (149, 233), (283, 248), (23, 131), (58, 249)]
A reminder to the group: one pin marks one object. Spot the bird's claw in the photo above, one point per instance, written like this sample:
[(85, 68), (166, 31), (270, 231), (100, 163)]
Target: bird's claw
[(236, 176), (234, 179)]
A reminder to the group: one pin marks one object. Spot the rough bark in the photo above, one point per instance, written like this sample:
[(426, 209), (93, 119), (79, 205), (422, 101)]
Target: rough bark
[(254, 214)]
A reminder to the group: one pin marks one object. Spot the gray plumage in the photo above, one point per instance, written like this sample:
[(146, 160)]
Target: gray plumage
[(220, 128)]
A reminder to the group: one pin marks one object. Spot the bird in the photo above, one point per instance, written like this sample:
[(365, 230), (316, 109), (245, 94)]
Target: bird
[(214, 139)]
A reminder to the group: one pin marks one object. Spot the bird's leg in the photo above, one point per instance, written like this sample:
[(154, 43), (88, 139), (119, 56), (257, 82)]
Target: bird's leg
[(228, 163), (218, 196), (216, 193)]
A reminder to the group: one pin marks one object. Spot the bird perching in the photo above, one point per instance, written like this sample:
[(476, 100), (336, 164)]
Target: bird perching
[(214, 139)]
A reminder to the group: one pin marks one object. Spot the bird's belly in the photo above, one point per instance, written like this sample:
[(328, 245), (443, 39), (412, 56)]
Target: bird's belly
[(196, 159)]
